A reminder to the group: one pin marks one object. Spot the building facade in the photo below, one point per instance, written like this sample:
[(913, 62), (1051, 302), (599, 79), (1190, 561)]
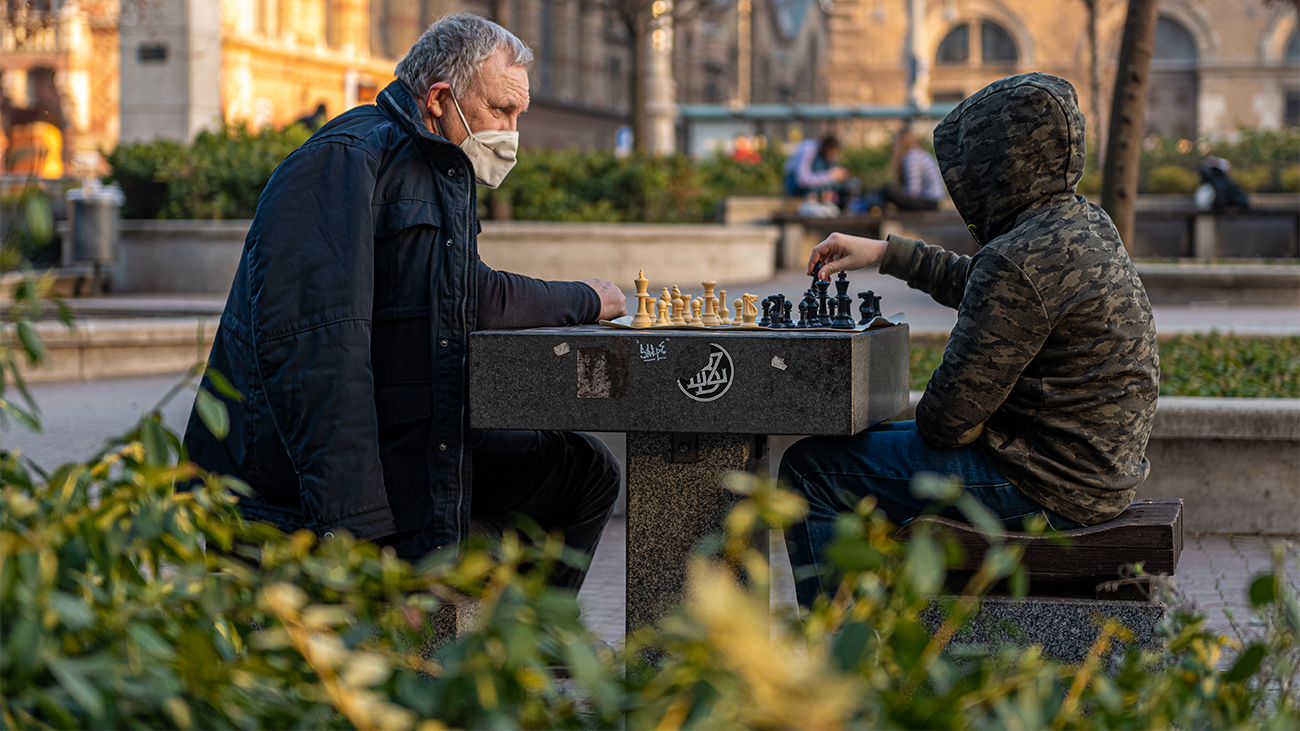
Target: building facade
[(1219, 64)]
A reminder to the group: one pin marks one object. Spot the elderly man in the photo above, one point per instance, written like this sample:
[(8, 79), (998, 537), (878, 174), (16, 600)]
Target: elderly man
[(347, 326)]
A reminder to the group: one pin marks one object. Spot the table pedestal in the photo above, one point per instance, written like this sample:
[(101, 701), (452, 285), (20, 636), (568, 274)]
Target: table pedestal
[(675, 498)]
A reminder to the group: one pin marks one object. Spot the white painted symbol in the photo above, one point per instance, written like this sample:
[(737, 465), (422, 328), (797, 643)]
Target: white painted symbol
[(713, 380), (651, 352)]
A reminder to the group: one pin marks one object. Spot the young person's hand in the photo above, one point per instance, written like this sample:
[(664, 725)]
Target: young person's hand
[(844, 253)]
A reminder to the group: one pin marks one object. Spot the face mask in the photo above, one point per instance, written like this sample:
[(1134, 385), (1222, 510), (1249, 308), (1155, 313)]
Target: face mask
[(492, 152)]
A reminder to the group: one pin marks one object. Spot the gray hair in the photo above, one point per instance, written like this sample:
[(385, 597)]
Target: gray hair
[(454, 49)]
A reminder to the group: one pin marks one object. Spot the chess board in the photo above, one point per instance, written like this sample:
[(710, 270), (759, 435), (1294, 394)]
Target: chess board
[(818, 310)]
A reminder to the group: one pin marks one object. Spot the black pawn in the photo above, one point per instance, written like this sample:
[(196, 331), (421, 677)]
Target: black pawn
[(803, 314), (766, 319), (786, 320), (830, 308), (843, 304)]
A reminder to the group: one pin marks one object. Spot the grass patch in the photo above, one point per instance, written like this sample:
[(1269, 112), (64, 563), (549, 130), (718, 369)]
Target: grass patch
[(1190, 365)]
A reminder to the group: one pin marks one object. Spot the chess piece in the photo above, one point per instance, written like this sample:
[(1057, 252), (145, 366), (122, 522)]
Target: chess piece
[(710, 303), (778, 311), (766, 319), (823, 312), (843, 304), (739, 303), (642, 317), (870, 307), (666, 303), (661, 309), (697, 305), (749, 309), (679, 309), (803, 315), (786, 320), (724, 315), (831, 307)]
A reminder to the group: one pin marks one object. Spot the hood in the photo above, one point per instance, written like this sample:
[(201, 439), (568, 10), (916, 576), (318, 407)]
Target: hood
[(1014, 143)]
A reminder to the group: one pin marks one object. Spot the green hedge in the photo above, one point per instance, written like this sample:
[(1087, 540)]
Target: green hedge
[(1212, 364), (219, 176), (223, 172)]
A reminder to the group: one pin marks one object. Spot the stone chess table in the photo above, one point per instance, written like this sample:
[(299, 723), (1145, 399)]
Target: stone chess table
[(694, 404)]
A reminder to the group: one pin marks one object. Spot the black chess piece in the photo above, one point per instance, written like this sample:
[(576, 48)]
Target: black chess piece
[(864, 308), (766, 319), (786, 320), (810, 303), (803, 314), (823, 314), (843, 304)]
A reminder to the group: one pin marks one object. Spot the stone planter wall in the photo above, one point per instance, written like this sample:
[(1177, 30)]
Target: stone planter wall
[(200, 257)]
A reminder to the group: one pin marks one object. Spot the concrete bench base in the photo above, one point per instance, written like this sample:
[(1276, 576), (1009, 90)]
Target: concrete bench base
[(1065, 628)]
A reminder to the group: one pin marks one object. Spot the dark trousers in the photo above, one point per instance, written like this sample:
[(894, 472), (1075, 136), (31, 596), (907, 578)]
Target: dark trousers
[(562, 481)]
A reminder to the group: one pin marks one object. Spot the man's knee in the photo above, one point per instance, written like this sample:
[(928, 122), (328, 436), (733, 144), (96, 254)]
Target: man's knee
[(797, 463), (593, 457)]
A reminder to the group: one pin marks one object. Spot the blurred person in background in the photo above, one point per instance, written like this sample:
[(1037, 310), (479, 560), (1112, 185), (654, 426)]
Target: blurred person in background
[(814, 167), (1218, 191), (918, 185)]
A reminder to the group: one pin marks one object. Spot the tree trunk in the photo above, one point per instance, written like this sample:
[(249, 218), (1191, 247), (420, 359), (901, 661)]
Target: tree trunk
[(1128, 111), (501, 13), (638, 29), (1097, 122)]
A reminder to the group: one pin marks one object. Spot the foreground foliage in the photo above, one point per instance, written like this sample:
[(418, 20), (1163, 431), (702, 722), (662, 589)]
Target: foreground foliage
[(125, 602), (1212, 364)]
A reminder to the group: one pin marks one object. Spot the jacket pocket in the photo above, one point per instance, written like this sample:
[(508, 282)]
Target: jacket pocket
[(398, 403), (395, 216)]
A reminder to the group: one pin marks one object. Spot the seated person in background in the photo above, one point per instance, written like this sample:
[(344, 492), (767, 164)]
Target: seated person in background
[(919, 186), (813, 167), (347, 326), (1044, 400), (1223, 193)]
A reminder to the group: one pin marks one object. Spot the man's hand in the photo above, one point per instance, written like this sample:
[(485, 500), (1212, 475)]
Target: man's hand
[(839, 174), (844, 253), (612, 301)]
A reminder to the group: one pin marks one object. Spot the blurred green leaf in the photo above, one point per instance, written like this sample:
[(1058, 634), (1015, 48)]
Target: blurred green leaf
[(213, 413), (1263, 590), (1247, 664), (222, 385)]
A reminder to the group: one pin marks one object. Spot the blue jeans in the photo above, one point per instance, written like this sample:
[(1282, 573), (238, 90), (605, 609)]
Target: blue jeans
[(834, 473)]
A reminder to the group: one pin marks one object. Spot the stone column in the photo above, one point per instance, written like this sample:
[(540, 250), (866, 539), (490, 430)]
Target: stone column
[(661, 89)]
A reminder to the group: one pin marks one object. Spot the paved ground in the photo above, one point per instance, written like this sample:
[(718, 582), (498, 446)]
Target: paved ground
[(1214, 570)]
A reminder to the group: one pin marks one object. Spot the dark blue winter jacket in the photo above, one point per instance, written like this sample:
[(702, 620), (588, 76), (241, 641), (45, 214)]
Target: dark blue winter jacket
[(347, 331)]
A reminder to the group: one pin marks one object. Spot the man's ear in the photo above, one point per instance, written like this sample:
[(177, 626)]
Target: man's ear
[(437, 99)]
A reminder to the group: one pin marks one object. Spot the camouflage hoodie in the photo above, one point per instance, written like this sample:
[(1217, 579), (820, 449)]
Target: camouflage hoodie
[(1052, 368)]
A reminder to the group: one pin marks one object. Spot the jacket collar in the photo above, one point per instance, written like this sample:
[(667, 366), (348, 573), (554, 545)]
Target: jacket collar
[(400, 105)]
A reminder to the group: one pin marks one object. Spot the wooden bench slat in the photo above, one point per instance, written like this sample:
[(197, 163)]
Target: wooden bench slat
[(1149, 531)]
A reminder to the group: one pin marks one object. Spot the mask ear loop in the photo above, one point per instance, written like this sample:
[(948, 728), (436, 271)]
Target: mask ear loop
[(468, 131)]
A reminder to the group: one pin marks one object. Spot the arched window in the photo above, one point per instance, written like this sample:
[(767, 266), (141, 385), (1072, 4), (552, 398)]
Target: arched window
[(996, 45), (1292, 51), (1173, 42), (955, 47)]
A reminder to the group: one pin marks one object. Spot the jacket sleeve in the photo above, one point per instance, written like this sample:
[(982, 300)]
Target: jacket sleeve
[(1001, 326), (932, 269), (311, 285), (509, 301)]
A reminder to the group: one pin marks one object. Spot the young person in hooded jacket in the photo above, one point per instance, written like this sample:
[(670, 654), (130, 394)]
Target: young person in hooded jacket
[(1044, 399), (347, 325)]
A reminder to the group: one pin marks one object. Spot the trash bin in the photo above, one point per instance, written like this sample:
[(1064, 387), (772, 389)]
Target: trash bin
[(95, 222)]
